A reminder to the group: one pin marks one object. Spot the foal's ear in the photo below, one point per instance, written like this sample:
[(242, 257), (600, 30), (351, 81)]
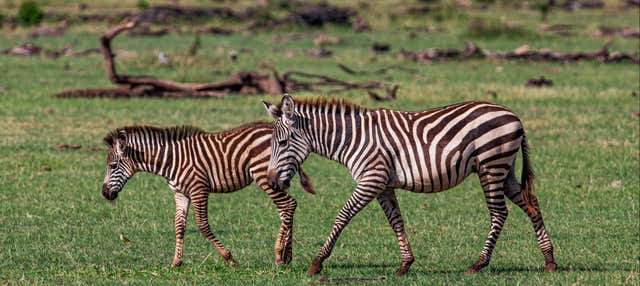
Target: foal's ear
[(273, 110), (121, 141), (287, 104), (122, 135)]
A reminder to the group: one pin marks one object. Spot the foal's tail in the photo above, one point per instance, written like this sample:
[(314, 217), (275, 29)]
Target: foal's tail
[(306, 182), (527, 179)]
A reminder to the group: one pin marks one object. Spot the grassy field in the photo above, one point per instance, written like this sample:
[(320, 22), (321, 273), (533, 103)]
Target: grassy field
[(55, 227)]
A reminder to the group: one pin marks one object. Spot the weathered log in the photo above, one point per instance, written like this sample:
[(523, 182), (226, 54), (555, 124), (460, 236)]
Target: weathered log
[(521, 53), (243, 82)]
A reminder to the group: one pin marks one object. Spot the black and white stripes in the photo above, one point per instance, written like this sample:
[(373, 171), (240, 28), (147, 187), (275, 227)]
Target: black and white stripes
[(196, 163), (426, 151)]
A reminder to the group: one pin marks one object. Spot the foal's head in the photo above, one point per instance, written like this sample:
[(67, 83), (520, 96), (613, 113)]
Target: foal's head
[(120, 166)]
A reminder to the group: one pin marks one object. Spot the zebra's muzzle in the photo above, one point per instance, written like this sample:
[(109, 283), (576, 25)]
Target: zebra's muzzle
[(271, 179), (107, 194), (275, 182)]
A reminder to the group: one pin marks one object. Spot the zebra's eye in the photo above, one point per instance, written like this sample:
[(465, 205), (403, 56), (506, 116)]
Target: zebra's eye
[(282, 143), (113, 165)]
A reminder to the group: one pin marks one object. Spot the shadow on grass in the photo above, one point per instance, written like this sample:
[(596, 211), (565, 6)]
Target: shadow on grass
[(586, 268), (489, 270)]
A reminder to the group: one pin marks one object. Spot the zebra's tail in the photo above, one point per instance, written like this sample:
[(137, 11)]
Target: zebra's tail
[(527, 179), (305, 182)]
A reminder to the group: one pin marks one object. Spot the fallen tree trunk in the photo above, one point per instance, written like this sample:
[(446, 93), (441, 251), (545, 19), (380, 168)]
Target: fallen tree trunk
[(28, 49), (472, 50), (243, 82)]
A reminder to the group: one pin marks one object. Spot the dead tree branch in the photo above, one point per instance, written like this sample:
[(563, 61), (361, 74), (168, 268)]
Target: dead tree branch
[(472, 50), (243, 82)]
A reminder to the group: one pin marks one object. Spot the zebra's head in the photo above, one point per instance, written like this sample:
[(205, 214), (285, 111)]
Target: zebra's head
[(289, 146), (119, 165)]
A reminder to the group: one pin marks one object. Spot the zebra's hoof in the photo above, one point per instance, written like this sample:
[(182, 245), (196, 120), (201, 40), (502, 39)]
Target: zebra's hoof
[(404, 267), (232, 262), (550, 267), (284, 257), (402, 271), (475, 267), (471, 270), (176, 263), (287, 259), (315, 268)]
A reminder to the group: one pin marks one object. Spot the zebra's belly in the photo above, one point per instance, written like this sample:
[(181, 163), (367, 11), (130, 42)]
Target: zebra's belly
[(431, 180), (229, 184)]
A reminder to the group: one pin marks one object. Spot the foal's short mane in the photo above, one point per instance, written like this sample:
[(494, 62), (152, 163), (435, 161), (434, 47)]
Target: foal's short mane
[(176, 133), (321, 103), (173, 132)]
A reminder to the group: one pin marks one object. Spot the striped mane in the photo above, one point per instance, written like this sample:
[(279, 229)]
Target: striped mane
[(321, 104), (174, 133)]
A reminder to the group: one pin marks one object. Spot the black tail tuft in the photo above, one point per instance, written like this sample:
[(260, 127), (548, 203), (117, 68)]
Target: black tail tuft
[(527, 179), (306, 182)]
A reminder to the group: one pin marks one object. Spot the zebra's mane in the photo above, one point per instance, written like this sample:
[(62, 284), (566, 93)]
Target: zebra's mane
[(323, 104), (173, 133)]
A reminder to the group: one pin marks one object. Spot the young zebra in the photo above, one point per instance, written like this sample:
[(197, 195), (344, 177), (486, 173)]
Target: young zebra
[(426, 151), (196, 163)]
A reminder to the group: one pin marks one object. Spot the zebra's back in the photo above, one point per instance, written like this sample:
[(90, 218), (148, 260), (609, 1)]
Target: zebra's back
[(434, 150), (231, 159)]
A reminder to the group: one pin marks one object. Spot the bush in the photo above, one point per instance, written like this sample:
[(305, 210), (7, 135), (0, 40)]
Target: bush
[(142, 4), (480, 27), (29, 14)]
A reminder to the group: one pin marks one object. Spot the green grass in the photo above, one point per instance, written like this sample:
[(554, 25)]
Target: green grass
[(55, 227)]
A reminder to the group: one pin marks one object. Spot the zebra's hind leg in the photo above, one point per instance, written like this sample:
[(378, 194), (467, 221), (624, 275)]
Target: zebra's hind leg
[(493, 185), (182, 206), (389, 204), (514, 193), (200, 209)]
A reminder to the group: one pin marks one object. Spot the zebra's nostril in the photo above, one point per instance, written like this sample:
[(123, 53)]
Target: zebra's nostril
[(271, 178), (107, 194), (271, 181)]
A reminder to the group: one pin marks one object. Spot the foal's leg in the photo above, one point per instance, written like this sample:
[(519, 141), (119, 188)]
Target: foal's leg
[(389, 204), (368, 188), (514, 193), (199, 199), (493, 185), (286, 208), (182, 207)]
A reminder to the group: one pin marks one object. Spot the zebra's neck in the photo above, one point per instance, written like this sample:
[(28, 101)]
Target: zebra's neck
[(153, 153), (335, 131)]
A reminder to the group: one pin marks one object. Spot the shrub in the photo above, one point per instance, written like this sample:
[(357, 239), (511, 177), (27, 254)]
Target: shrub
[(142, 4), (29, 14), (480, 27)]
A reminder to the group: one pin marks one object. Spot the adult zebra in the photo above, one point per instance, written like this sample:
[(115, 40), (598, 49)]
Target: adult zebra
[(425, 151), (196, 163)]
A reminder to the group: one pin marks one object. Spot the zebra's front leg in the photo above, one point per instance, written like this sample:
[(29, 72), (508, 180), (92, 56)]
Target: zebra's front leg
[(182, 207), (362, 196), (287, 210), (284, 248), (200, 209), (389, 204), (494, 196), (286, 206)]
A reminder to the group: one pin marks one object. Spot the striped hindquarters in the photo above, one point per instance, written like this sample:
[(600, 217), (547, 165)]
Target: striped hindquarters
[(435, 150)]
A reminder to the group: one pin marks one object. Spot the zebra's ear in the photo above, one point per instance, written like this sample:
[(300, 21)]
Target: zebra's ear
[(287, 104), (122, 135), (121, 141), (272, 109)]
